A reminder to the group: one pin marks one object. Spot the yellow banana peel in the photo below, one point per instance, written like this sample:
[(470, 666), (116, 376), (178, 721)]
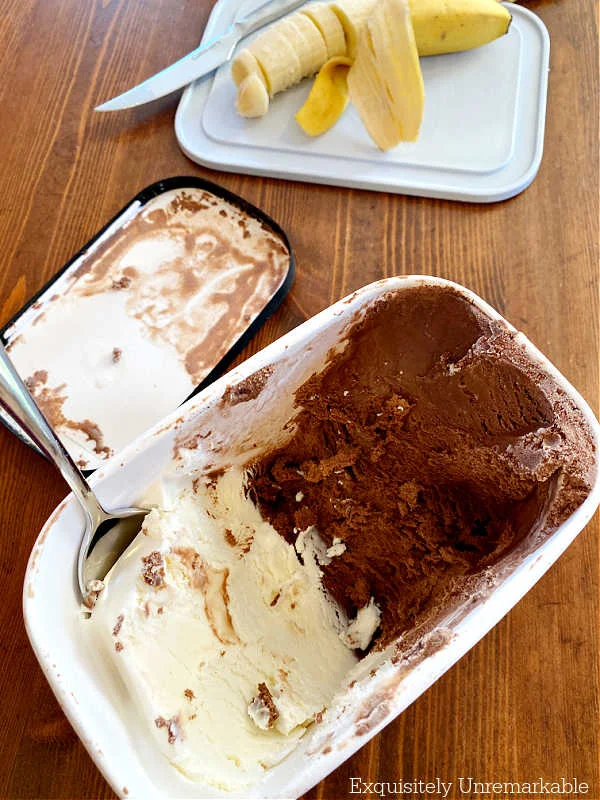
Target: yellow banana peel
[(456, 25), (385, 82), (328, 98)]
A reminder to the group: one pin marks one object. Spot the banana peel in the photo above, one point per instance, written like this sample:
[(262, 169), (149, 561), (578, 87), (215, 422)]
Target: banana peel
[(457, 25), (328, 97), (440, 26), (385, 82)]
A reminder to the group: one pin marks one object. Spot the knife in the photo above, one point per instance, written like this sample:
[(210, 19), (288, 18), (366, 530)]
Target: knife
[(204, 59)]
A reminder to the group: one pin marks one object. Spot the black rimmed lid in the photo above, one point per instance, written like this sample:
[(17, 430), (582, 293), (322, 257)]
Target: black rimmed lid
[(149, 312)]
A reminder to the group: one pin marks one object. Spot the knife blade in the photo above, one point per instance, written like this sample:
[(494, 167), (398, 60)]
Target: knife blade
[(201, 61)]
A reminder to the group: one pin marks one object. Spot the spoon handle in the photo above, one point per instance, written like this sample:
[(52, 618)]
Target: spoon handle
[(16, 400)]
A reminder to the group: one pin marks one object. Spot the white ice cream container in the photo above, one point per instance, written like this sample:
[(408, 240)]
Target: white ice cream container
[(92, 695)]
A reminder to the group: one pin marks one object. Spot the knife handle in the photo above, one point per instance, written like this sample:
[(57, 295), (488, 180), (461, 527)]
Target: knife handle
[(265, 14)]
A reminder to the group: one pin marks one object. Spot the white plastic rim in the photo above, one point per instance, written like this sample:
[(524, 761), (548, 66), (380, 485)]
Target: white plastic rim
[(94, 701)]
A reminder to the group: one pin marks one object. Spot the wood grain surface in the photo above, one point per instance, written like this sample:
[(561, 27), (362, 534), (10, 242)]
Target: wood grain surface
[(523, 704)]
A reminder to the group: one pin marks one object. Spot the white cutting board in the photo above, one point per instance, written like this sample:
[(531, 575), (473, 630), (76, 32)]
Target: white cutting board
[(481, 139)]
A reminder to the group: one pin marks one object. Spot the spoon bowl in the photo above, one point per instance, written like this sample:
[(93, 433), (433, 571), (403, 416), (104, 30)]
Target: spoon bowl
[(107, 532)]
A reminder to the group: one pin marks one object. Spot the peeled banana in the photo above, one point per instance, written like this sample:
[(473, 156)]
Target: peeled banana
[(276, 51), (292, 49), (253, 98), (245, 64), (385, 81), (298, 45), (330, 27), (308, 42), (328, 97)]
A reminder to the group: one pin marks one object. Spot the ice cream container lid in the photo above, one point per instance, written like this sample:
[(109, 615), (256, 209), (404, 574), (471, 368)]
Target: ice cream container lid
[(150, 311)]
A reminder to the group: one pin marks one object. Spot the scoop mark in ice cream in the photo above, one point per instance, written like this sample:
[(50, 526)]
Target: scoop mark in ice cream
[(429, 476), (255, 697)]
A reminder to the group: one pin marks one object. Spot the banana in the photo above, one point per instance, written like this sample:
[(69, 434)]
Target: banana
[(328, 97), (307, 41), (277, 58), (385, 81), (331, 28), (353, 15), (253, 98), (440, 26), (245, 64), (298, 45), (455, 25), (292, 49)]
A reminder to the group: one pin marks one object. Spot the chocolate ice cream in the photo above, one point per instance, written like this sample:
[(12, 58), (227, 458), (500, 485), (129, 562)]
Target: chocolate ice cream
[(425, 452)]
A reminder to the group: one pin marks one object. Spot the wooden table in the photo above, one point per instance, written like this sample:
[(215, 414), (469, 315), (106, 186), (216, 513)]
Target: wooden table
[(521, 705)]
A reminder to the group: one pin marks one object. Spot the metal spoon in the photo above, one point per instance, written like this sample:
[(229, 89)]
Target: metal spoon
[(123, 524)]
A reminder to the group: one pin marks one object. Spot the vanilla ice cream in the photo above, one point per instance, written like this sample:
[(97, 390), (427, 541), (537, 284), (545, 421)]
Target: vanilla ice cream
[(144, 315), (223, 634)]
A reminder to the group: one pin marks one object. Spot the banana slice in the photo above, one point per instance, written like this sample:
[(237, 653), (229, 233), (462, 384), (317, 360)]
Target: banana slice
[(328, 97), (385, 82), (277, 58), (353, 15), (253, 98), (307, 41), (331, 28), (243, 65), (456, 25)]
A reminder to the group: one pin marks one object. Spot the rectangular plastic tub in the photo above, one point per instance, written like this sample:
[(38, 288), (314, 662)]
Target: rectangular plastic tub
[(91, 694)]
